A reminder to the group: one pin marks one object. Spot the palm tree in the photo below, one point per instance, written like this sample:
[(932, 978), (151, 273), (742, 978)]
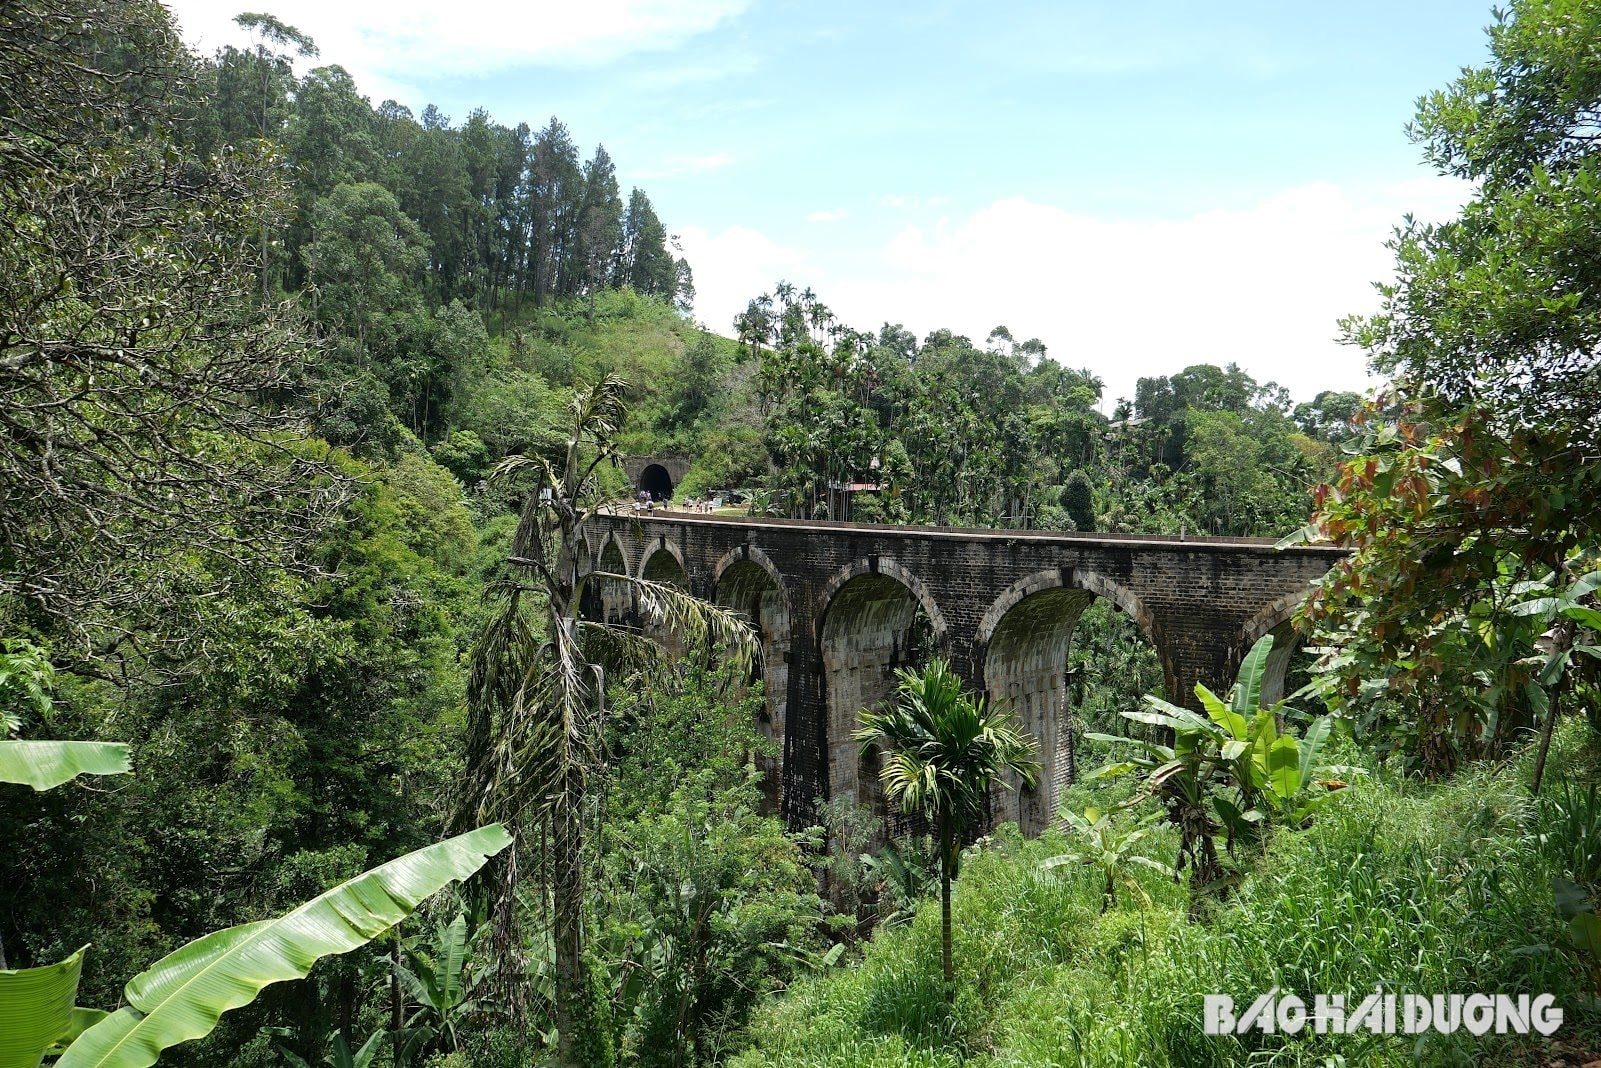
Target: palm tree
[(536, 700), (943, 749)]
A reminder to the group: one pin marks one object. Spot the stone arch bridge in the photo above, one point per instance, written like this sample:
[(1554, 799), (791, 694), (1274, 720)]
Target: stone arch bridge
[(839, 606)]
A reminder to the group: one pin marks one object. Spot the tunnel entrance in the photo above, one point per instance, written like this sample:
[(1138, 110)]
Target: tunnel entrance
[(657, 482)]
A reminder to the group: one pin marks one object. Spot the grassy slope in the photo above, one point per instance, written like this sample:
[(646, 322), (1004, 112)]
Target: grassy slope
[(1428, 889), (641, 340)]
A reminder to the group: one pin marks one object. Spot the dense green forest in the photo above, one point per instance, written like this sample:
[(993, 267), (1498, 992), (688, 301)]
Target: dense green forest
[(306, 400)]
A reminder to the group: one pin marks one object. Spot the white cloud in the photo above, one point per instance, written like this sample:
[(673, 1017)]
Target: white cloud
[(904, 200), (736, 264), (827, 216), (1262, 286), (389, 44), (658, 81), (678, 166)]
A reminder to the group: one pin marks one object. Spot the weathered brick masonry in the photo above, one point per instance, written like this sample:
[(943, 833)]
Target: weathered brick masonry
[(839, 606)]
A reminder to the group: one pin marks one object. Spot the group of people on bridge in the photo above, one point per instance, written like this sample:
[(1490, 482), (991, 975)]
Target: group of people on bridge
[(646, 501)]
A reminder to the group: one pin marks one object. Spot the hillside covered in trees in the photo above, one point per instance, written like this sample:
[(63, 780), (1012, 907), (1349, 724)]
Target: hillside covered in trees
[(305, 400)]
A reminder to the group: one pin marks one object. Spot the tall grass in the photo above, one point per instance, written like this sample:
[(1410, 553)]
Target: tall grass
[(1398, 886)]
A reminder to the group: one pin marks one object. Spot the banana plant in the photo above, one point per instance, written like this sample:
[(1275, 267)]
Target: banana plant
[(1232, 764), (1581, 931), (340, 1054), (1180, 777), (1567, 611), (440, 981), (1101, 846), (37, 1010), (183, 995), (26, 677), (904, 875), (1277, 777)]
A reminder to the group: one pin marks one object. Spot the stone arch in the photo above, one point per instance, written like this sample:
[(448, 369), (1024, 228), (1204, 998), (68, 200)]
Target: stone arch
[(657, 481), (663, 561), (746, 581), (1277, 619), (751, 554), (1093, 582), (609, 541), (1268, 618), (880, 565), (1024, 639), (616, 598), (868, 626)]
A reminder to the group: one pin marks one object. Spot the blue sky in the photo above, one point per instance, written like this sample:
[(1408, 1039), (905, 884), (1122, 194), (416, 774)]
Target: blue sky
[(1140, 186)]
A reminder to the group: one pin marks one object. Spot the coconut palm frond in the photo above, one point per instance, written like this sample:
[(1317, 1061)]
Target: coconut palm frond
[(545, 738), (698, 623), (623, 650), (496, 673), (599, 411), (934, 729), (571, 687), (944, 747), (528, 547), (553, 749), (493, 671), (909, 781), (1014, 750), (511, 465), (530, 759)]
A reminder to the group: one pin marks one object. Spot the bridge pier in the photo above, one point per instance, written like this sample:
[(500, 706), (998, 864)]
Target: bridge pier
[(752, 586)]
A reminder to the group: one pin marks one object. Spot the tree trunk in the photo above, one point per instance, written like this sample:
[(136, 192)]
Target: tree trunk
[(1545, 737), (947, 848), (567, 893), (397, 1004), (946, 967), (1563, 641)]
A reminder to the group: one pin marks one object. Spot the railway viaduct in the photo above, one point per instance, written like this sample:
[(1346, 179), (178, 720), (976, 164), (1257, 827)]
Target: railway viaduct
[(839, 606)]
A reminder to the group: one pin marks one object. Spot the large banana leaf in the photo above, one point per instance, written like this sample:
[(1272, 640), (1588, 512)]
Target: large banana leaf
[(436, 983), (1221, 714), (1167, 714), (1248, 688), (82, 1020), (1317, 733), (1283, 767), (184, 994), (43, 765), (36, 1010)]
